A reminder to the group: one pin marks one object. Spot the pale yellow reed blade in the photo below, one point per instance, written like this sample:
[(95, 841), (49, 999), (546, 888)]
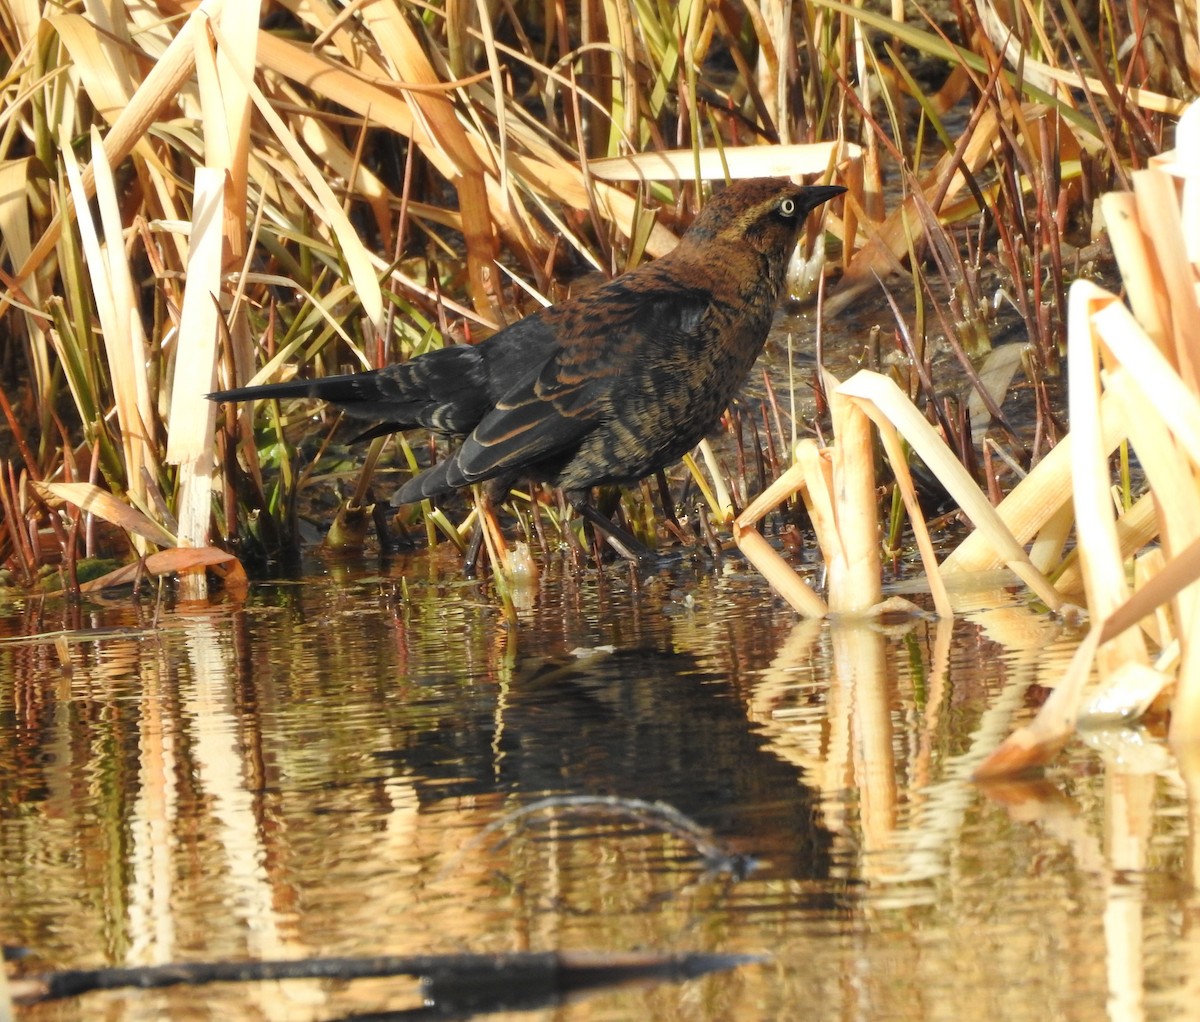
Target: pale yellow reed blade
[(912, 425), (778, 573), (90, 498), (855, 582), (1033, 501), (1104, 575), (193, 417), (358, 260), (713, 164), (157, 90)]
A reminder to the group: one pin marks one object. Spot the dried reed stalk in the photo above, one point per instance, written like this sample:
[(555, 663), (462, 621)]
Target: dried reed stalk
[(1134, 377), (1146, 363)]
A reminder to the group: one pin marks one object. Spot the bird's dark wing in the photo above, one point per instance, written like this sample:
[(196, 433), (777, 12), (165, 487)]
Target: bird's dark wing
[(542, 419), (546, 414)]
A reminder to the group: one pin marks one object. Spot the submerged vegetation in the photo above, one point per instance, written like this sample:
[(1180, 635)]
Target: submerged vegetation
[(215, 193)]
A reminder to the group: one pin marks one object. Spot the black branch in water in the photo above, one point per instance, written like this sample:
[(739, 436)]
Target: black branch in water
[(449, 980)]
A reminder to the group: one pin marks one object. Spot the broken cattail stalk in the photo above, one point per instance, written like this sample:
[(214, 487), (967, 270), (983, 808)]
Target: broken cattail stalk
[(764, 557), (855, 579)]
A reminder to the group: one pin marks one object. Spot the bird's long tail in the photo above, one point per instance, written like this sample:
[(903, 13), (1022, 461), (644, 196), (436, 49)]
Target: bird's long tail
[(444, 390), (336, 389)]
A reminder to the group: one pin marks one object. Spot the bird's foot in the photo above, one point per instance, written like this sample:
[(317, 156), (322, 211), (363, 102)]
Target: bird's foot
[(621, 540), (474, 545)]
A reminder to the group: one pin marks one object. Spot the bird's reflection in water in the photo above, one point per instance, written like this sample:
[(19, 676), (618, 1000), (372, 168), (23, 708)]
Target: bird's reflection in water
[(637, 724)]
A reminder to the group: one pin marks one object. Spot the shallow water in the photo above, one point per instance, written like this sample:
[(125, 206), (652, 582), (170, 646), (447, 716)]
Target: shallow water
[(313, 771)]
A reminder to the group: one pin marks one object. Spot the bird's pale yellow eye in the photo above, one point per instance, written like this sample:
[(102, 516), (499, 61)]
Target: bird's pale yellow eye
[(788, 207)]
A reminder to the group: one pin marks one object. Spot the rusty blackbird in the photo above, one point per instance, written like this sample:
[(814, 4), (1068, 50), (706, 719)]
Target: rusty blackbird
[(606, 387)]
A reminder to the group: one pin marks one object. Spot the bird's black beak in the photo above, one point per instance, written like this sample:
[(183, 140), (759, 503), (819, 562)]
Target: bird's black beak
[(815, 195)]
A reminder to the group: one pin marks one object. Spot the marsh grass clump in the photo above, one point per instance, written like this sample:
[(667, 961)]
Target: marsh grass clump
[(227, 193)]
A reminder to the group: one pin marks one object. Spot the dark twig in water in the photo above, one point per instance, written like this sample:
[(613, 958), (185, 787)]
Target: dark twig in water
[(657, 815), (451, 981)]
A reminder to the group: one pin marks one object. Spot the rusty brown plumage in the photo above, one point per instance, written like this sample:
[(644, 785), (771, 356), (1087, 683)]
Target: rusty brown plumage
[(606, 387)]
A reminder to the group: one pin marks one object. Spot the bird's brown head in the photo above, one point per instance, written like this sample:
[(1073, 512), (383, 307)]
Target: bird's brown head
[(765, 213)]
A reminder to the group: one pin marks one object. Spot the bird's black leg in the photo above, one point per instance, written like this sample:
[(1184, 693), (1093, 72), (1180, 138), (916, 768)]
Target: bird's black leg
[(471, 557), (487, 532), (620, 539)]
